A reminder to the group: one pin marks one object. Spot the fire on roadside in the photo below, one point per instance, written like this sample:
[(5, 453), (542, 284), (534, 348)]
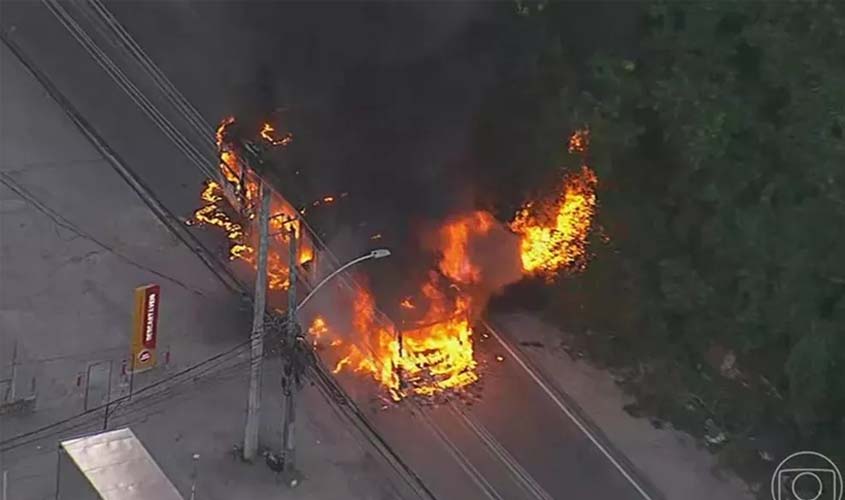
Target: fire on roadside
[(455, 237), (242, 237), (555, 232), (436, 353), (430, 357)]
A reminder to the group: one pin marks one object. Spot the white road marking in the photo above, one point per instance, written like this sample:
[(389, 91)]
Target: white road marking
[(459, 457), (525, 479), (560, 404)]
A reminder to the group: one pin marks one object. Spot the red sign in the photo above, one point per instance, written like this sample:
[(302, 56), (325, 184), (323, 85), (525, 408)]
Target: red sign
[(145, 327), (150, 316)]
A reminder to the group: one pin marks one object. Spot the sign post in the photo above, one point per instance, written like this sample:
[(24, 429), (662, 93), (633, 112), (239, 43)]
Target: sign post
[(145, 328)]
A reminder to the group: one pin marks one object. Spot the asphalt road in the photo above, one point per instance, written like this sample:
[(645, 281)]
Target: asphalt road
[(515, 442)]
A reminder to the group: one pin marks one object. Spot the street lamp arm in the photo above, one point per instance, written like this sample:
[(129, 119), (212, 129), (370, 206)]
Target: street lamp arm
[(375, 254)]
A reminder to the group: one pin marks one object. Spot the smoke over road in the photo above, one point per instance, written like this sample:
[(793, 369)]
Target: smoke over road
[(381, 99)]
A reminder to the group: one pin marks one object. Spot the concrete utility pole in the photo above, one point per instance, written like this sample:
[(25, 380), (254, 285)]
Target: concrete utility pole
[(289, 377), (257, 350)]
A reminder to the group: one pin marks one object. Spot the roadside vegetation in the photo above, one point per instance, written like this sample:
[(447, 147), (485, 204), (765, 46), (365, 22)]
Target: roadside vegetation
[(716, 129)]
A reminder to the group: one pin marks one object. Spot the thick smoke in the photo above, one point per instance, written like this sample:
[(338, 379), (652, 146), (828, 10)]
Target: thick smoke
[(381, 99), (497, 255), (477, 252)]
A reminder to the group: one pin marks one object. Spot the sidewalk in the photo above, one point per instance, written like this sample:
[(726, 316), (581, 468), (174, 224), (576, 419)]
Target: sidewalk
[(75, 241)]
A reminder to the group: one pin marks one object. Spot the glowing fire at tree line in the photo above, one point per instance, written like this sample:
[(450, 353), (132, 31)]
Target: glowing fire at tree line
[(436, 353)]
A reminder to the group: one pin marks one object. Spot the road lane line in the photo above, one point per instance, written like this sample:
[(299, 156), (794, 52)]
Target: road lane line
[(560, 404), (343, 404), (326, 251), (459, 457), (497, 449)]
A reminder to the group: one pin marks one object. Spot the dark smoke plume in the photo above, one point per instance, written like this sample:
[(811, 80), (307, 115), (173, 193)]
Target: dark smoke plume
[(381, 99)]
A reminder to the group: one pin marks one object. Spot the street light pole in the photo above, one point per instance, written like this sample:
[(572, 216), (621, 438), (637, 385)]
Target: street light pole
[(257, 337), (378, 253), (291, 362)]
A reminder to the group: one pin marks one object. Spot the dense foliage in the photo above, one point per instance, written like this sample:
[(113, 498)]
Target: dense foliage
[(718, 140)]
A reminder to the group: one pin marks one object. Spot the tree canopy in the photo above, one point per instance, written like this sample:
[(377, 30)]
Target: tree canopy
[(718, 142)]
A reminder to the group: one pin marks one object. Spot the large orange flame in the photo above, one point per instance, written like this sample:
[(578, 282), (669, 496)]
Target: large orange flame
[(435, 354), (212, 214), (245, 184), (554, 234), (455, 237), (430, 357)]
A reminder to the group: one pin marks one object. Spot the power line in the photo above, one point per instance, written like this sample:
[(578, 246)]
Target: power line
[(176, 227), (169, 391), (113, 404), (76, 356), (62, 222), (94, 414), (159, 209), (5, 444), (222, 375)]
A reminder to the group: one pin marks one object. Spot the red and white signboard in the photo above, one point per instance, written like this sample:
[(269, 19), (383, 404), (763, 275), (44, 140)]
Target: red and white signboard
[(145, 327)]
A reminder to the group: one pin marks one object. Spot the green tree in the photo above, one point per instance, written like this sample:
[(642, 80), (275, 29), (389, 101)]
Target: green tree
[(724, 139), (718, 141)]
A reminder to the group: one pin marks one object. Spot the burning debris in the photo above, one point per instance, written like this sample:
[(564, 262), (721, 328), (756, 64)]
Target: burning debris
[(429, 357), (545, 237), (245, 185), (267, 132), (554, 233), (479, 254), (455, 237), (325, 200), (434, 355), (551, 235), (317, 330), (578, 141), (212, 214)]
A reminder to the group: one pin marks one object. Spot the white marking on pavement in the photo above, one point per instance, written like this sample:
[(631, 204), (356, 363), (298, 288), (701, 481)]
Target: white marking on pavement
[(459, 457), (560, 404), (500, 452)]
